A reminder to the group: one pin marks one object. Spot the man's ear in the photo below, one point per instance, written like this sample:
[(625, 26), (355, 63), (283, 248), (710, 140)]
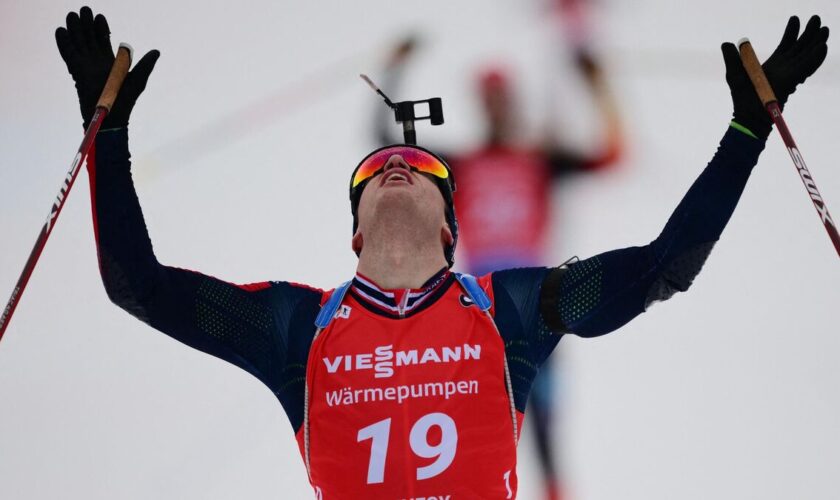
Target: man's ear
[(446, 236), (357, 242)]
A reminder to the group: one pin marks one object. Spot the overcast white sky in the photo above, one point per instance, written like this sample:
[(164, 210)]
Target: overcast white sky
[(243, 141)]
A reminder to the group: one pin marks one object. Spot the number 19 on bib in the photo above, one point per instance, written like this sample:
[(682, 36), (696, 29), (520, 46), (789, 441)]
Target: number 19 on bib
[(443, 452)]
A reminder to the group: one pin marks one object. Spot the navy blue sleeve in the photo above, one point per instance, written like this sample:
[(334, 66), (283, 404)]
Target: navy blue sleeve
[(600, 294), (264, 328), (528, 342), (535, 306)]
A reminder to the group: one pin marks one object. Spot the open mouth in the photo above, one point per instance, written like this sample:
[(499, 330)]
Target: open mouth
[(396, 175)]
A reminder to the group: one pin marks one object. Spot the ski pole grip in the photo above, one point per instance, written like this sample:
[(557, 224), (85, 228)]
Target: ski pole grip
[(755, 72), (116, 77)]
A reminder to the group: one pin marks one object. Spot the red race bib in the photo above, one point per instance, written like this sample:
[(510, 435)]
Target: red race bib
[(410, 408)]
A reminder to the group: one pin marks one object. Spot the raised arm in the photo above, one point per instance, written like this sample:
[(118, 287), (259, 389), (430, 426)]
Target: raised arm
[(233, 323), (609, 151), (245, 325), (600, 294)]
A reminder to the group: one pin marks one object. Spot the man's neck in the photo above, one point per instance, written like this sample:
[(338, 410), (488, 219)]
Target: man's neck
[(396, 264)]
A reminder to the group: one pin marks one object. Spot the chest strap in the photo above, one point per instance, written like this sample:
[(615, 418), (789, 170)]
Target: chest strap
[(474, 290), (330, 307)]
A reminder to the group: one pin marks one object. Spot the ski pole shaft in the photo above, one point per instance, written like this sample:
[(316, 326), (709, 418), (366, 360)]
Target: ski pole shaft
[(109, 93), (768, 98)]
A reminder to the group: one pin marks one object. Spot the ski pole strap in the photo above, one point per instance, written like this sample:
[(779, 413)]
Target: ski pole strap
[(473, 289), (737, 126), (328, 310)]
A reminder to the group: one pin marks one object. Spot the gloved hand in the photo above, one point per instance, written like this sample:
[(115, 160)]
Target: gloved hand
[(85, 46), (794, 60)]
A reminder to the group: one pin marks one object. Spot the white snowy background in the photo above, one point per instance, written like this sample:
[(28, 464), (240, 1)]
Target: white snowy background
[(243, 143)]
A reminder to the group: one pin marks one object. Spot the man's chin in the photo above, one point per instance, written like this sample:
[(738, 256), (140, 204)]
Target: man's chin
[(396, 194), (397, 204)]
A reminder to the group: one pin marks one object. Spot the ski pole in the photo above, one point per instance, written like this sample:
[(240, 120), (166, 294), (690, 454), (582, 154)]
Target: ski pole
[(122, 62), (768, 98)]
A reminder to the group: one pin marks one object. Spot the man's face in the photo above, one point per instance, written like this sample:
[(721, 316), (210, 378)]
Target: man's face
[(402, 196)]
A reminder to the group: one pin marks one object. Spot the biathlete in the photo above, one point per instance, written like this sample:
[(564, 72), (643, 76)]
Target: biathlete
[(504, 201), (406, 381)]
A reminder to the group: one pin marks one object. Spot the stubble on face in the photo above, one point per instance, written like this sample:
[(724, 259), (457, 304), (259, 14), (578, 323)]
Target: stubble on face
[(399, 211)]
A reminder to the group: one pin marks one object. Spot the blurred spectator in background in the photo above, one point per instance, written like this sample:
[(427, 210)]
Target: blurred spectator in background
[(504, 186)]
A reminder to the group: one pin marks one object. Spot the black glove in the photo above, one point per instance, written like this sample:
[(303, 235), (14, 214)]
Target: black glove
[(85, 46), (794, 60)]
